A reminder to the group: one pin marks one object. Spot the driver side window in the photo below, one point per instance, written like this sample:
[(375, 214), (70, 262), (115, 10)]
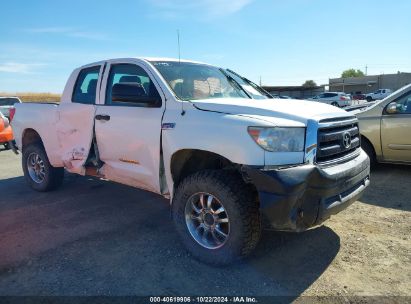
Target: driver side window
[(403, 104), (134, 80)]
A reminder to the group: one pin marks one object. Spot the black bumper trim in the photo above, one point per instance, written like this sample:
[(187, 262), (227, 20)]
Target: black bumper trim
[(298, 198)]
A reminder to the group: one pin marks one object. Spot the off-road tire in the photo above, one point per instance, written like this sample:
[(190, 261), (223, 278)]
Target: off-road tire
[(53, 176), (240, 202)]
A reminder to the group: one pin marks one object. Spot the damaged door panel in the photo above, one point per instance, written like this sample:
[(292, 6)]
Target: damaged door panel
[(75, 126), (75, 133), (132, 103), (132, 157)]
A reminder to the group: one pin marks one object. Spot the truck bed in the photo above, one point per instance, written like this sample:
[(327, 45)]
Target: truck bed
[(40, 118)]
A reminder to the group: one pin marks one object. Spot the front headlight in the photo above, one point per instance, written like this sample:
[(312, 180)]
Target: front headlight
[(279, 139)]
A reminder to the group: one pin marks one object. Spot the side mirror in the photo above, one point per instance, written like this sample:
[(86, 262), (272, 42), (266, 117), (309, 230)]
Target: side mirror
[(392, 108), (133, 93)]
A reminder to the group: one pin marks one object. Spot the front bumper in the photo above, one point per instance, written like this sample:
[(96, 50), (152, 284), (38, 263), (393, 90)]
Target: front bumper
[(297, 198)]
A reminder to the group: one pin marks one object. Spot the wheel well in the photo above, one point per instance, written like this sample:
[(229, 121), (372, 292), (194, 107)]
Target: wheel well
[(366, 140), (30, 136), (187, 161)]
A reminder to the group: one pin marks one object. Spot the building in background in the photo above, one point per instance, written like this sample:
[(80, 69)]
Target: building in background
[(368, 84), (299, 92)]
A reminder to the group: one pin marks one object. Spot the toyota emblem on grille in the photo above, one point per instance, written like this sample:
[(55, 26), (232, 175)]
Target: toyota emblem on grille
[(346, 140)]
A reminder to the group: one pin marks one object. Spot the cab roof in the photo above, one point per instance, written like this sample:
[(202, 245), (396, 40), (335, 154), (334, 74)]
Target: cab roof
[(147, 59)]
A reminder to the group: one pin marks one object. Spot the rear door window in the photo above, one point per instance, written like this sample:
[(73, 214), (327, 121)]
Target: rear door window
[(85, 90)]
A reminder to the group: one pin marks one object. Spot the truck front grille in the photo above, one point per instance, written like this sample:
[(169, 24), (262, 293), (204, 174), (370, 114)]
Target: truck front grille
[(337, 139)]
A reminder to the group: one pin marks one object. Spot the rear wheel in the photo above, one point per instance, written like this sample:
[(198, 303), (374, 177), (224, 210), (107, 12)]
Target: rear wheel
[(38, 171), (217, 216), (369, 98), (6, 146), (335, 104)]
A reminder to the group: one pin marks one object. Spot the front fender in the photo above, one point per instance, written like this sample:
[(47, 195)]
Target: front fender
[(218, 133)]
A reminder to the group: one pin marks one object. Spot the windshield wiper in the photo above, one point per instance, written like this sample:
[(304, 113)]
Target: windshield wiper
[(233, 81), (255, 86)]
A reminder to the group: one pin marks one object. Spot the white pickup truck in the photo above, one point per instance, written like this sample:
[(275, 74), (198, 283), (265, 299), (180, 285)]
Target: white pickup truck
[(231, 159), (378, 95)]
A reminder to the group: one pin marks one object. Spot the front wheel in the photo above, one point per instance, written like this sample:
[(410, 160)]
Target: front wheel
[(38, 172), (217, 216)]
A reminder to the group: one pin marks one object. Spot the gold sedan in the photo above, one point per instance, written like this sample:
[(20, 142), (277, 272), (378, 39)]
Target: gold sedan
[(386, 128)]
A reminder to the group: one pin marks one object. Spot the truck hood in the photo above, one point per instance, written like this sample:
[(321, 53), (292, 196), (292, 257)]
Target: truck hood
[(272, 110), (358, 108)]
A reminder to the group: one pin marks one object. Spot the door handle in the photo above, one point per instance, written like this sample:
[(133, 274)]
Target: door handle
[(102, 117)]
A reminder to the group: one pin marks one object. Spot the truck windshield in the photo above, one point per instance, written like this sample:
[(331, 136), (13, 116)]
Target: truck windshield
[(252, 89), (191, 81)]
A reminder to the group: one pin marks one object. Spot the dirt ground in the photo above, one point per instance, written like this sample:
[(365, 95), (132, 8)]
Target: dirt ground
[(374, 257), (93, 237)]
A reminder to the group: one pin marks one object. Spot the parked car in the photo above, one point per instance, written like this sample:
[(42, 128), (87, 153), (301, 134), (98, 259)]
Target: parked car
[(6, 103), (337, 99), (359, 96), (229, 157), (6, 134), (377, 95), (386, 128)]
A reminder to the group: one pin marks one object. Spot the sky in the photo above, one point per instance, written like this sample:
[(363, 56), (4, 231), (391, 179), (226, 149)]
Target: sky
[(281, 42)]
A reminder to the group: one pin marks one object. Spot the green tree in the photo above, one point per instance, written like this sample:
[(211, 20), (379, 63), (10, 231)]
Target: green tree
[(309, 84), (352, 73)]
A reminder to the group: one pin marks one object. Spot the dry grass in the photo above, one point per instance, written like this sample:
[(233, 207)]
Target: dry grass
[(35, 97)]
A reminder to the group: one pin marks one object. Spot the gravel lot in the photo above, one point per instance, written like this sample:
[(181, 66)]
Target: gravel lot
[(93, 237)]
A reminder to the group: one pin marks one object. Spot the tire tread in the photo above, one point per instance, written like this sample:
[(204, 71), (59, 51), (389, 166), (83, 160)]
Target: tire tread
[(230, 181)]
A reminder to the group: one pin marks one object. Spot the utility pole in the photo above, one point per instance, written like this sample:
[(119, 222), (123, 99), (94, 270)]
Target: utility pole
[(260, 80), (366, 70)]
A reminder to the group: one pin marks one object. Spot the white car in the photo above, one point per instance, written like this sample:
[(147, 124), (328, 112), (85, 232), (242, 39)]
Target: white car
[(378, 95), (6, 103), (337, 99), (228, 156)]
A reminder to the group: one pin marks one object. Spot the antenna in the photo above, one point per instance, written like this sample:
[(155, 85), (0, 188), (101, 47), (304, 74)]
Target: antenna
[(178, 42), (179, 63)]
